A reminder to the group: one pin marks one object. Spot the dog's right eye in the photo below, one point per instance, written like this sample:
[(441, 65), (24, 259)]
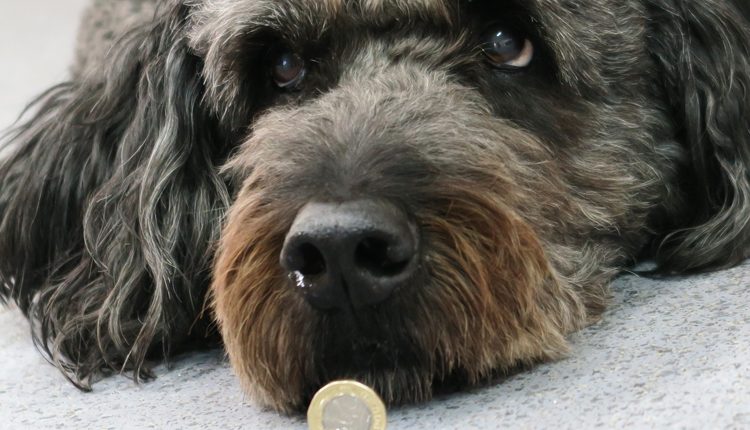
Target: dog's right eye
[(506, 48), (288, 69)]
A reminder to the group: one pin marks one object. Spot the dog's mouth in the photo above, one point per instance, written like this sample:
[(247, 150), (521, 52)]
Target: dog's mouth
[(346, 357), (373, 338), (378, 336), (372, 346)]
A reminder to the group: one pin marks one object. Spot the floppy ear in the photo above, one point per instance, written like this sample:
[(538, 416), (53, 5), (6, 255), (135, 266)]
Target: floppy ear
[(703, 52), (109, 203)]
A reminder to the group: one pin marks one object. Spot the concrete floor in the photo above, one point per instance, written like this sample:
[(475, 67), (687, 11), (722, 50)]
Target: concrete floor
[(668, 354)]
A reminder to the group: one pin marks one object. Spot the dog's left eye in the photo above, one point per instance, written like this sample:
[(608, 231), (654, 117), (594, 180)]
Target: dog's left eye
[(288, 69), (506, 48)]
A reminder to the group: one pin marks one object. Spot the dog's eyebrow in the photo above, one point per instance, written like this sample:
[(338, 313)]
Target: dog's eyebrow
[(313, 16)]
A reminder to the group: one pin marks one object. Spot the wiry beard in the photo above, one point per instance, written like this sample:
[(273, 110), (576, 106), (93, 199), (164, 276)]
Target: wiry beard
[(485, 301)]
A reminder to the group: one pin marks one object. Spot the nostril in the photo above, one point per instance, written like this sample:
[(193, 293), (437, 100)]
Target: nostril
[(308, 260), (379, 258)]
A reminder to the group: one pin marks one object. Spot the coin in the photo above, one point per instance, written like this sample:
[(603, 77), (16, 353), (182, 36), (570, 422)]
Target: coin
[(346, 405)]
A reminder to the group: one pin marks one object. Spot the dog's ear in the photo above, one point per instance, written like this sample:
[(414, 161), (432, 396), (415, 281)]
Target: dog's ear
[(109, 201), (703, 52)]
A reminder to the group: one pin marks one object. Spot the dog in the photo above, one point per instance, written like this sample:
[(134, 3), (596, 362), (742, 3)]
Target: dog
[(412, 193)]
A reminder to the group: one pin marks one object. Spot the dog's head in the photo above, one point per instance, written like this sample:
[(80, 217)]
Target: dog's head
[(418, 192), (433, 190)]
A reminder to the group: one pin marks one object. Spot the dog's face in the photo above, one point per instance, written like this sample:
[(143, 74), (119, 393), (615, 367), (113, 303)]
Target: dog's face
[(449, 184)]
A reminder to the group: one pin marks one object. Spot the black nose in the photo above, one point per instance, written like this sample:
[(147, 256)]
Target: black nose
[(354, 253)]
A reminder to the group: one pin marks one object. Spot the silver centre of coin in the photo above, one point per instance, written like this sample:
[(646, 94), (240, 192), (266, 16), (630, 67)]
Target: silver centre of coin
[(346, 412)]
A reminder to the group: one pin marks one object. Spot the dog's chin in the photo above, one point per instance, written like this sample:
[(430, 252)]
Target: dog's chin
[(358, 346)]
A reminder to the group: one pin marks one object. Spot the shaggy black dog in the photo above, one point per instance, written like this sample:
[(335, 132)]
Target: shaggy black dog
[(404, 192)]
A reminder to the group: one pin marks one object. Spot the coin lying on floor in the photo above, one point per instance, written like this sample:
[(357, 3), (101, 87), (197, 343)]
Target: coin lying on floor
[(346, 405)]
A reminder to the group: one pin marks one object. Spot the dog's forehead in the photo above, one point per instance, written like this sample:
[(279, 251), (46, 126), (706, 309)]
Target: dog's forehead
[(590, 38), (300, 14)]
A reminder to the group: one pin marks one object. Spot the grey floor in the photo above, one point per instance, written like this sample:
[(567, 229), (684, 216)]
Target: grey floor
[(668, 354)]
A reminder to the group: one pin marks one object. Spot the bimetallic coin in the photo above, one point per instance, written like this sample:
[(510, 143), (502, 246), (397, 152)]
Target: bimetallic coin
[(346, 405)]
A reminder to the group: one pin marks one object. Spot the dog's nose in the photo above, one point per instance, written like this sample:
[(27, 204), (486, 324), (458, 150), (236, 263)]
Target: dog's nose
[(354, 253)]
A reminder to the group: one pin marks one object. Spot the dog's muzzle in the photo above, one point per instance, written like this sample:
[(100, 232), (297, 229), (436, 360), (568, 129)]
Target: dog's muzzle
[(353, 254)]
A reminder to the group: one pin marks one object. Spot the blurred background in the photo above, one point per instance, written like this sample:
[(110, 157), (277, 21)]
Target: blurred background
[(36, 46)]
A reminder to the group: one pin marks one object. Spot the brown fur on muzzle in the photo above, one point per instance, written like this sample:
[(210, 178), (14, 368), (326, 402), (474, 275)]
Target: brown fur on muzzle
[(490, 302)]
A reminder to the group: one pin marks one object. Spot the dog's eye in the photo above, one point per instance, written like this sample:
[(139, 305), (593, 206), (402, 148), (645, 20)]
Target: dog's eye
[(506, 49), (288, 69)]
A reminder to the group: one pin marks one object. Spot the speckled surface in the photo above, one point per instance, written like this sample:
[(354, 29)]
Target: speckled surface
[(672, 353)]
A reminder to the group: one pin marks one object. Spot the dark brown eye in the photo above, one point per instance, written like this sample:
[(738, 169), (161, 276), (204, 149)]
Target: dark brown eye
[(506, 48), (288, 69)]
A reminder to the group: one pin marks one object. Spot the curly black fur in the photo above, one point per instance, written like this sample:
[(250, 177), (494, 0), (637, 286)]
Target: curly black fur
[(703, 49), (110, 205)]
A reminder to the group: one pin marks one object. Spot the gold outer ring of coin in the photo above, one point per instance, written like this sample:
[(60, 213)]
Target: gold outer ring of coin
[(347, 388)]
